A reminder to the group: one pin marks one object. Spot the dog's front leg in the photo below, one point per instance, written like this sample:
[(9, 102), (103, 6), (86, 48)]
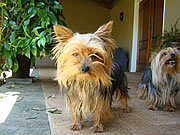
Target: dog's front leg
[(76, 119), (102, 113), (170, 103)]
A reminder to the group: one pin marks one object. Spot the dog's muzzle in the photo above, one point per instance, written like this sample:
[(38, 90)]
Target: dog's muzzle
[(84, 69)]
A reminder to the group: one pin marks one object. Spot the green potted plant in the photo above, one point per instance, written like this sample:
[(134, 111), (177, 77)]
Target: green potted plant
[(167, 39), (26, 32)]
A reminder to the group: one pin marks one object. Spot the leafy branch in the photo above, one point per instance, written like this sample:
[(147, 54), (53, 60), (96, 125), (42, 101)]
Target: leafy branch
[(26, 27)]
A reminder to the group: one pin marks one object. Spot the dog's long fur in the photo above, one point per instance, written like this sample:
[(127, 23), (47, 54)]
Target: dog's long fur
[(160, 82), (91, 90)]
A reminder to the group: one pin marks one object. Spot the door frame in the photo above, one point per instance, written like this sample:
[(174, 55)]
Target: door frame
[(135, 33)]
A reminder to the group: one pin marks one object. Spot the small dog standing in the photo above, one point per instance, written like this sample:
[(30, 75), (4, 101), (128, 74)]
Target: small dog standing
[(161, 81), (86, 71)]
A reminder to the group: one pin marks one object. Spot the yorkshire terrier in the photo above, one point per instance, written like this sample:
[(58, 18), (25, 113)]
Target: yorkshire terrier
[(89, 76), (161, 81)]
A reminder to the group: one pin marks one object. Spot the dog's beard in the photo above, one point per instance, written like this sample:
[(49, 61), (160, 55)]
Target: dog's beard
[(85, 96)]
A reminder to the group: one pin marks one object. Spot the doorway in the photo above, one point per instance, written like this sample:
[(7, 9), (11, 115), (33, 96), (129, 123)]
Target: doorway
[(149, 27)]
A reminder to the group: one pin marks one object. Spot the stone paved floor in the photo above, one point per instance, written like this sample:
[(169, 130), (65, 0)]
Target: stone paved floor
[(27, 112), (139, 121), (23, 110)]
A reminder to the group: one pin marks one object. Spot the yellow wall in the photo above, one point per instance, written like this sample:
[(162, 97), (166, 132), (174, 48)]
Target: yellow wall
[(80, 16), (172, 13), (84, 15), (87, 15), (123, 30)]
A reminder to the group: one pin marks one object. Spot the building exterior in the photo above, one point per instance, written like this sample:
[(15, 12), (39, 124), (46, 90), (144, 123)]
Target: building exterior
[(87, 15)]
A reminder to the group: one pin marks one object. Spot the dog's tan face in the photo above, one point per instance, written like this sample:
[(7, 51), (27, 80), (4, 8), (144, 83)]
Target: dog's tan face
[(168, 59), (84, 56)]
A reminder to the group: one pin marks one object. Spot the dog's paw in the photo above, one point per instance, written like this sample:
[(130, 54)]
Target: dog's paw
[(168, 109), (97, 128), (125, 110), (76, 126), (152, 107)]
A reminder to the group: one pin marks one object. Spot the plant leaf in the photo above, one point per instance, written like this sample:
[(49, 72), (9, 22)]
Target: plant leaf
[(16, 66), (35, 30), (12, 36), (26, 22), (9, 62), (56, 111), (35, 39), (52, 17), (12, 23), (45, 22), (33, 59), (34, 50), (6, 45), (60, 7), (2, 4), (16, 27), (7, 53), (42, 41), (28, 35), (19, 3), (27, 52), (20, 43), (31, 118), (42, 13), (36, 33), (13, 86), (40, 4)]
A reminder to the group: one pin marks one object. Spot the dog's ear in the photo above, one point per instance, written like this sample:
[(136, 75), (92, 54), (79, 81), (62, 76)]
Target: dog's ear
[(153, 55), (105, 30), (62, 33)]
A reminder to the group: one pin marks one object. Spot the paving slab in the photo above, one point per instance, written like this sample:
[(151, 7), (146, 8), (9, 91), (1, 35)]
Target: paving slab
[(22, 109), (140, 121)]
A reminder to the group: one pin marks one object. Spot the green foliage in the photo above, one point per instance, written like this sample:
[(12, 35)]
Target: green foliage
[(167, 38), (26, 27)]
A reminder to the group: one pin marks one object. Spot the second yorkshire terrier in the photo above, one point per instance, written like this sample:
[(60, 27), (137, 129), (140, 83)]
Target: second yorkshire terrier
[(161, 81), (86, 71)]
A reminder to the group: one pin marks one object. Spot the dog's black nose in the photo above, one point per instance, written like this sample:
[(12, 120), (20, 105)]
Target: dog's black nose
[(172, 55), (84, 69)]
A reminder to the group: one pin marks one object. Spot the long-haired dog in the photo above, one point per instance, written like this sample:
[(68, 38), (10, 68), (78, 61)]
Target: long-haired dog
[(86, 72), (161, 81)]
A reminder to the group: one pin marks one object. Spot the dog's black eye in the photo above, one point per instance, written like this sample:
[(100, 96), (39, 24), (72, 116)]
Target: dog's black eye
[(75, 54), (164, 54), (93, 57), (96, 57)]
